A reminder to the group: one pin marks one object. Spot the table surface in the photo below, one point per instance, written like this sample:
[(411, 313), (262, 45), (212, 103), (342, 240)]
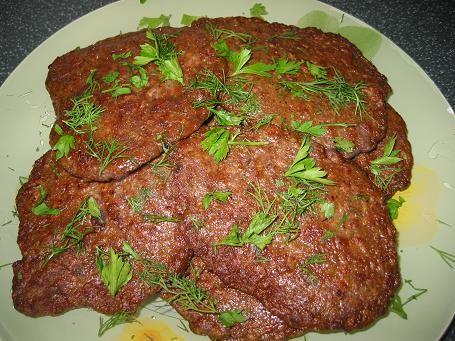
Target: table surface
[(424, 29)]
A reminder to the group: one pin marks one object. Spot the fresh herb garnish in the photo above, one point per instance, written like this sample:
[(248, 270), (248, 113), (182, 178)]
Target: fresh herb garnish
[(122, 55), (218, 140), (318, 258), (253, 234), (393, 205), (41, 208), (110, 77), (382, 167), (116, 319), (222, 34), (74, 232), (163, 53), (304, 167), (64, 144), (118, 89), (115, 273), (83, 113), (258, 10), (226, 118), (232, 317), (137, 203), (343, 144), (151, 23), (336, 90), (287, 67), (106, 152), (292, 35), (448, 258), (186, 294), (140, 80), (187, 19), (216, 195), (328, 209), (397, 306), (263, 122)]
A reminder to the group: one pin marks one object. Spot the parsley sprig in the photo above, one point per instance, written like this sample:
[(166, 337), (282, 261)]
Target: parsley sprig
[(41, 207), (115, 272), (383, 167), (162, 52)]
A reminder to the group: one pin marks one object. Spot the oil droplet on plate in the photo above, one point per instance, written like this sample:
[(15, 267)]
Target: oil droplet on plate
[(417, 218), (149, 330)]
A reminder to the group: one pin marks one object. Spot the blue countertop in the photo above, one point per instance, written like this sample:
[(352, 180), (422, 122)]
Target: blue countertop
[(424, 29)]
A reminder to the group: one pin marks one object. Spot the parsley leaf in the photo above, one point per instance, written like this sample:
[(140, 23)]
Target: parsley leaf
[(239, 59), (41, 208), (109, 78), (283, 66), (187, 19), (258, 10), (141, 80), (343, 144), (303, 168), (217, 195), (64, 144), (393, 205), (308, 128), (232, 317), (328, 209), (397, 306), (216, 143), (225, 118), (163, 54), (318, 72), (151, 23), (115, 273)]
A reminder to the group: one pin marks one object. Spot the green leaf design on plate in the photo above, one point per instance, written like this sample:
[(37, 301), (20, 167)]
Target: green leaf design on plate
[(366, 39), (321, 20)]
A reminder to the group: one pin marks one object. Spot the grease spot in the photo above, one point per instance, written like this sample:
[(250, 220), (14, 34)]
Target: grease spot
[(149, 330), (417, 220)]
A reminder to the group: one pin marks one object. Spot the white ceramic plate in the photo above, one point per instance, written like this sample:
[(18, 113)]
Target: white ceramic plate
[(26, 111)]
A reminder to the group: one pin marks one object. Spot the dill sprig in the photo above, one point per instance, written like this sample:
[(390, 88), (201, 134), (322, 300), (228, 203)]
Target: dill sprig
[(74, 232), (291, 35), (336, 90), (137, 203), (83, 113), (106, 152), (221, 34), (116, 319), (397, 306), (318, 258), (447, 257)]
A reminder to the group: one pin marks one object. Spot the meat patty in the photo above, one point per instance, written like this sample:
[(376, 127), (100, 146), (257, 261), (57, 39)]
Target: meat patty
[(45, 285), (395, 177), (271, 42), (260, 323), (359, 274), (138, 122)]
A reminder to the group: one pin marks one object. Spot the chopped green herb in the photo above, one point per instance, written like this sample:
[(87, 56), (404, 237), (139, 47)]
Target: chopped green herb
[(397, 306), (41, 208), (308, 128), (318, 258), (216, 195), (258, 10), (225, 118), (93, 208), (231, 318), (264, 121), (292, 35), (303, 168), (83, 113), (187, 19), (106, 152), (240, 59), (343, 144), (64, 144), (116, 319), (116, 273), (443, 223), (140, 80), (253, 234), (216, 143), (122, 55), (163, 54), (336, 90), (318, 72), (384, 165), (222, 34), (328, 209), (109, 78), (283, 67), (327, 235), (448, 258), (197, 223), (393, 205), (151, 23), (118, 89), (137, 203), (23, 180)]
